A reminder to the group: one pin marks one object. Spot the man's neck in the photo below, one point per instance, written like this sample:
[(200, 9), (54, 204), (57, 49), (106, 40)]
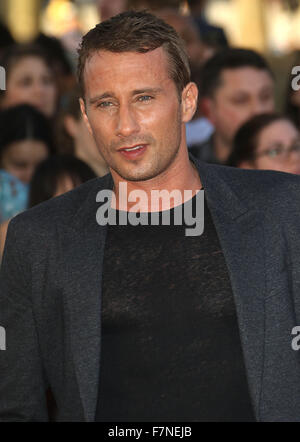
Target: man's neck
[(182, 177)]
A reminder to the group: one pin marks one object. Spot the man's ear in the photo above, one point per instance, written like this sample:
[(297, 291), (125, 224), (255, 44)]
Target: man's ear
[(189, 101), (84, 115)]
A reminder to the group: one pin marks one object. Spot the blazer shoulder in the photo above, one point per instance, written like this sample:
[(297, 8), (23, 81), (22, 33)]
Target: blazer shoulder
[(265, 190), (258, 181), (61, 209)]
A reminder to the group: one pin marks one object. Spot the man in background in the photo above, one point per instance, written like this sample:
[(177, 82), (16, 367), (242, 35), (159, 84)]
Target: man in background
[(235, 85)]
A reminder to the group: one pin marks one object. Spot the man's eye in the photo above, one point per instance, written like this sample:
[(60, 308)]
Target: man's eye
[(266, 97), (275, 152), (27, 81), (240, 100), (145, 98), (105, 104)]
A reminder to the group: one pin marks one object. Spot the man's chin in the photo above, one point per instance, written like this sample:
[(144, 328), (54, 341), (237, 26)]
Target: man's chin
[(142, 176), (144, 171), (137, 173)]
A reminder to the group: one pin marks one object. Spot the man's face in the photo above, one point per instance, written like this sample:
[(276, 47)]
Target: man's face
[(243, 93), (132, 103)]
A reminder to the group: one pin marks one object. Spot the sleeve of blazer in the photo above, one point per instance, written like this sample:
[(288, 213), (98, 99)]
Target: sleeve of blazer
[(22, 384)]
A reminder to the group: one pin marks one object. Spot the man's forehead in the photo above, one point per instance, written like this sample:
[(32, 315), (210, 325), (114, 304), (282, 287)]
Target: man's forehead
[(102, 56), (244, 79), (242, 75), (106, 69)]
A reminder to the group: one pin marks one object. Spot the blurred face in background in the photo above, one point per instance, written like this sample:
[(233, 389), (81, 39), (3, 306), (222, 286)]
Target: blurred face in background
[(185, 27), (22, 157), (65, 184), (31, 81), (243, 93), (84, 144), (83, 140), (278, 148)]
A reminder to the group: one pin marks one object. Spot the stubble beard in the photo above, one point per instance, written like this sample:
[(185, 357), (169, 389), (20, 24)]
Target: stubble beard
[(144, 173), (159, 164)]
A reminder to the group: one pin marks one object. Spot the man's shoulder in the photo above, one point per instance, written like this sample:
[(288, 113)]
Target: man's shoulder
[(261, 188), (265, 180)]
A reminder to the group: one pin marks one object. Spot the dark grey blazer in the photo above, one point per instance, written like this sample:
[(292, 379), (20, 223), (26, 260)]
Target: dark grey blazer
[(50, 294)]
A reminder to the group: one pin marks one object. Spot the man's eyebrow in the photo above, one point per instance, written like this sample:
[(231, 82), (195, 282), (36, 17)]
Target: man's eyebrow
[(100, 97), (268, 87), (147, 90)]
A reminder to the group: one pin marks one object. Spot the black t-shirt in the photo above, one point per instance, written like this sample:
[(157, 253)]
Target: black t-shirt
[(171, 348)]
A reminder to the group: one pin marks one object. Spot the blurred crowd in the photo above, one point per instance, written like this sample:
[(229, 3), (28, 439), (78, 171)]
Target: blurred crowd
[(46, 148)]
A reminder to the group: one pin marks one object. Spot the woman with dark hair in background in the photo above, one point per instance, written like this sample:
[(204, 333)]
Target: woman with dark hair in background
[(29, 79), (53, 177), (60, 61), (267, 141), (25, 140), (73, 137), (57, 175)]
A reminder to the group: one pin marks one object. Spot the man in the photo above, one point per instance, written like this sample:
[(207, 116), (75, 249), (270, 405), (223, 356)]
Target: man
[(236, 85), (190, 328), (199, 129)]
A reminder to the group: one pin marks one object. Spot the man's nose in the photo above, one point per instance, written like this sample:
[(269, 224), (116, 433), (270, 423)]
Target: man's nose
[(127, 122)]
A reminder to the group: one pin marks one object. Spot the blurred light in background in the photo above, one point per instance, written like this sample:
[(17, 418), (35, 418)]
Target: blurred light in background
[(63, 16), (265, 25), (22, 18)]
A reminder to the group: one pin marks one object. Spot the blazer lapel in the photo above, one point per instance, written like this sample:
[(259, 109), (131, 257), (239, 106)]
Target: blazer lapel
[(241, 235), (83, 248)]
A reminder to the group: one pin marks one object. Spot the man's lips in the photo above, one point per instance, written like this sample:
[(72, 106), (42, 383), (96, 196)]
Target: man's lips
[(134, 147), (132, 152)]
